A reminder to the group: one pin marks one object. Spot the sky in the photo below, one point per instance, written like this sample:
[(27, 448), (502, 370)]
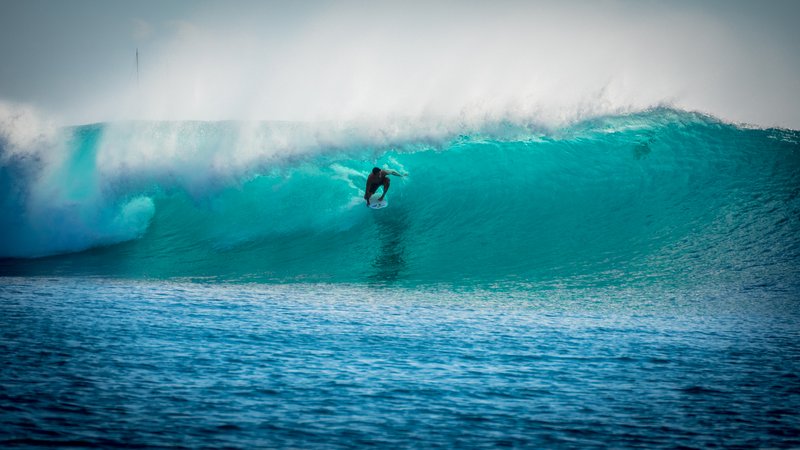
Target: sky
[(549, 61)]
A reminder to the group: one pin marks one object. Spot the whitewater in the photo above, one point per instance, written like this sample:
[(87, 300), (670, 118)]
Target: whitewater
[(625, 280)]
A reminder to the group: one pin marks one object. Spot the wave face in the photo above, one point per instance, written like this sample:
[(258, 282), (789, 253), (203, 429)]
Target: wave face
[(660, 196)]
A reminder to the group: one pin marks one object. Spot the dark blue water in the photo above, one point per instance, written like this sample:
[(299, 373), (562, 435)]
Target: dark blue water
[(104, 363)]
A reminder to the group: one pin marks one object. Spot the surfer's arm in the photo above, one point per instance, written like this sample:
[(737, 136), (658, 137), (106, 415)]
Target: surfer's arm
[(393, 172), (366, 192)]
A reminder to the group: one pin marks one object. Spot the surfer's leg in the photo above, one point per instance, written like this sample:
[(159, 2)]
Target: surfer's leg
[(385, 188), (373, 188)]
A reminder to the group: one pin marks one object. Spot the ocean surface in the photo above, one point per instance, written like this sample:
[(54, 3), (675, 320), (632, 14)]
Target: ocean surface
[(622, 281)]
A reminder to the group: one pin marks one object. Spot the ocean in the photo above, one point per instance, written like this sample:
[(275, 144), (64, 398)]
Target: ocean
[(621, 281)]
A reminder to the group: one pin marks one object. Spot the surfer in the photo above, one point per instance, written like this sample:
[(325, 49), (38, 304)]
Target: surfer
[(377, 179)]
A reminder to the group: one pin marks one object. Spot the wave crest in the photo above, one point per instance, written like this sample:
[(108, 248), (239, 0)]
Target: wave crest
[(662, 193)]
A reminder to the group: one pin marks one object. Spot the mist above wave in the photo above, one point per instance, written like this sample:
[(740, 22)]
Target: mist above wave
[(554, 62)]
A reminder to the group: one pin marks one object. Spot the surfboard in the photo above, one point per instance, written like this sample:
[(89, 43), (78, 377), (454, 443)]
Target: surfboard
[(375, 204)]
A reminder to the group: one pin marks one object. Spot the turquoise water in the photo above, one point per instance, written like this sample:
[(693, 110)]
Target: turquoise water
[(662, 196), (625, 281)]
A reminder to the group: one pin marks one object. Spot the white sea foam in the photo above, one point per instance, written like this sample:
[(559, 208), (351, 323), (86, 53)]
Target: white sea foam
[(49, 206)]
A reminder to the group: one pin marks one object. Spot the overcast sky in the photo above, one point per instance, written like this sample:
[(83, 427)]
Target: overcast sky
[(321, 60)]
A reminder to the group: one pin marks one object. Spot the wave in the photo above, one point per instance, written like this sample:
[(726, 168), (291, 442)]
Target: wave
[(657, 195)]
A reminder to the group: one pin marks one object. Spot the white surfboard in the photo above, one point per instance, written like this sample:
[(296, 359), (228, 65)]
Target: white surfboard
[(375, 204)]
